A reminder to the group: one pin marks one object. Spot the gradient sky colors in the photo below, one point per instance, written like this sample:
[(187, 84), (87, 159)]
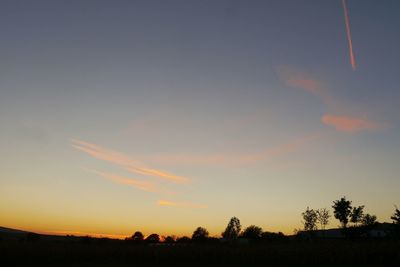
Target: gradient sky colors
[(162, 116)]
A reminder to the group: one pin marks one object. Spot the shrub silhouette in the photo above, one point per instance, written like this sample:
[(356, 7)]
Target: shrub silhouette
[(153, 238), (368, 220), (137, 236), (200, 234), (252, 232), (169, 240), (183, 240)]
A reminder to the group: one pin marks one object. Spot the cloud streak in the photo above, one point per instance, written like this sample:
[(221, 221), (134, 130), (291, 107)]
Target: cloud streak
[(141, 185), (297, 78), (235, 159), (349, 124), (125, 161), (348, 33), (168, 203)]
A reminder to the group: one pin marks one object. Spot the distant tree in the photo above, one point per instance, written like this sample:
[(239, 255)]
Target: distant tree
[(272, 236), (183, 239), (169, 239), (357, 215), (252, 232), (368, 220), (342, 210), (200, 234), (310, 218), (396, 216), (153, 238), (137, 236), (323, 216), (232, 230)]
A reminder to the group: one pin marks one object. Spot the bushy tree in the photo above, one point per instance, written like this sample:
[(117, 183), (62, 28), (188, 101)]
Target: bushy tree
[(169, 239), (342, 210), (183, 239), (323, 216), (232, 230), (153, 238), (252, 232), (137, 236), (200, 234), (310, 218), (368, 220), (357, 214)]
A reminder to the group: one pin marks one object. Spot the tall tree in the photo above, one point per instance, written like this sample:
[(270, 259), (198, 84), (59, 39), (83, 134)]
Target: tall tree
[(342, 210), (357, 215), (310, 218), (232, 230), (396, 216), (323, 216)]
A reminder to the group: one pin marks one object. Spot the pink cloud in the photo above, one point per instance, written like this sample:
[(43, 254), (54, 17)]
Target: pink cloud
[(141, 185), (348, 124), (236, 159), (299, 79), (180, 204), (125, 161)]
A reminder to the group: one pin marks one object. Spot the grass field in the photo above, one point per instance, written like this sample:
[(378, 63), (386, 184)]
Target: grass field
[(274, 253)]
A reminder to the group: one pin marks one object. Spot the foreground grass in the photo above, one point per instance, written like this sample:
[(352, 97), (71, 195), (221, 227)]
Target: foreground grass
[(274, 253)]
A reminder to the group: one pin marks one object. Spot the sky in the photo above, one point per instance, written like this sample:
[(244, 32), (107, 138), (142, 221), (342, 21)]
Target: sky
[(162, 116)]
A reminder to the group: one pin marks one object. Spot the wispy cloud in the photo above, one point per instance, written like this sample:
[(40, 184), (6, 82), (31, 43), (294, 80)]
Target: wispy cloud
[(141, 185), (125, 161), (234, 159), (349, 124), (297, 78), (180, 204)]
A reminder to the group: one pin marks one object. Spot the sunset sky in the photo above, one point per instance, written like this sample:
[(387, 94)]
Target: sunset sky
[(162, 116)]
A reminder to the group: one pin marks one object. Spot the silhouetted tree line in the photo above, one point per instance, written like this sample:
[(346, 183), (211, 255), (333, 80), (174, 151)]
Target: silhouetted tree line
[(354, 222), (360, 222), (232, 233)]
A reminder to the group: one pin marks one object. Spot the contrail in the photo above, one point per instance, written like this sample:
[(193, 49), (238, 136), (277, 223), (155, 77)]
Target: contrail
[(347, 22)]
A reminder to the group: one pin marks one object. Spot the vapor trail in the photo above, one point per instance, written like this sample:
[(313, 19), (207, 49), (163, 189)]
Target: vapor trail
[(347, 22)]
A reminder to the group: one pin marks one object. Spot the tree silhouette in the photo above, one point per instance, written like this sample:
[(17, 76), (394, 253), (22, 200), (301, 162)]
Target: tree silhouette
[(137, 236), (183, 239), (200, 234), (396, 216), (169, 239), (252, 232), (357, 215), (310, 218), (153, 238), (232, 230), (342, 211), (323, 216), (368, 220)]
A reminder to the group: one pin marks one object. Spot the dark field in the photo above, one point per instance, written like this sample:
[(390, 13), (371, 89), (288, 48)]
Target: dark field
[(275, 253)]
